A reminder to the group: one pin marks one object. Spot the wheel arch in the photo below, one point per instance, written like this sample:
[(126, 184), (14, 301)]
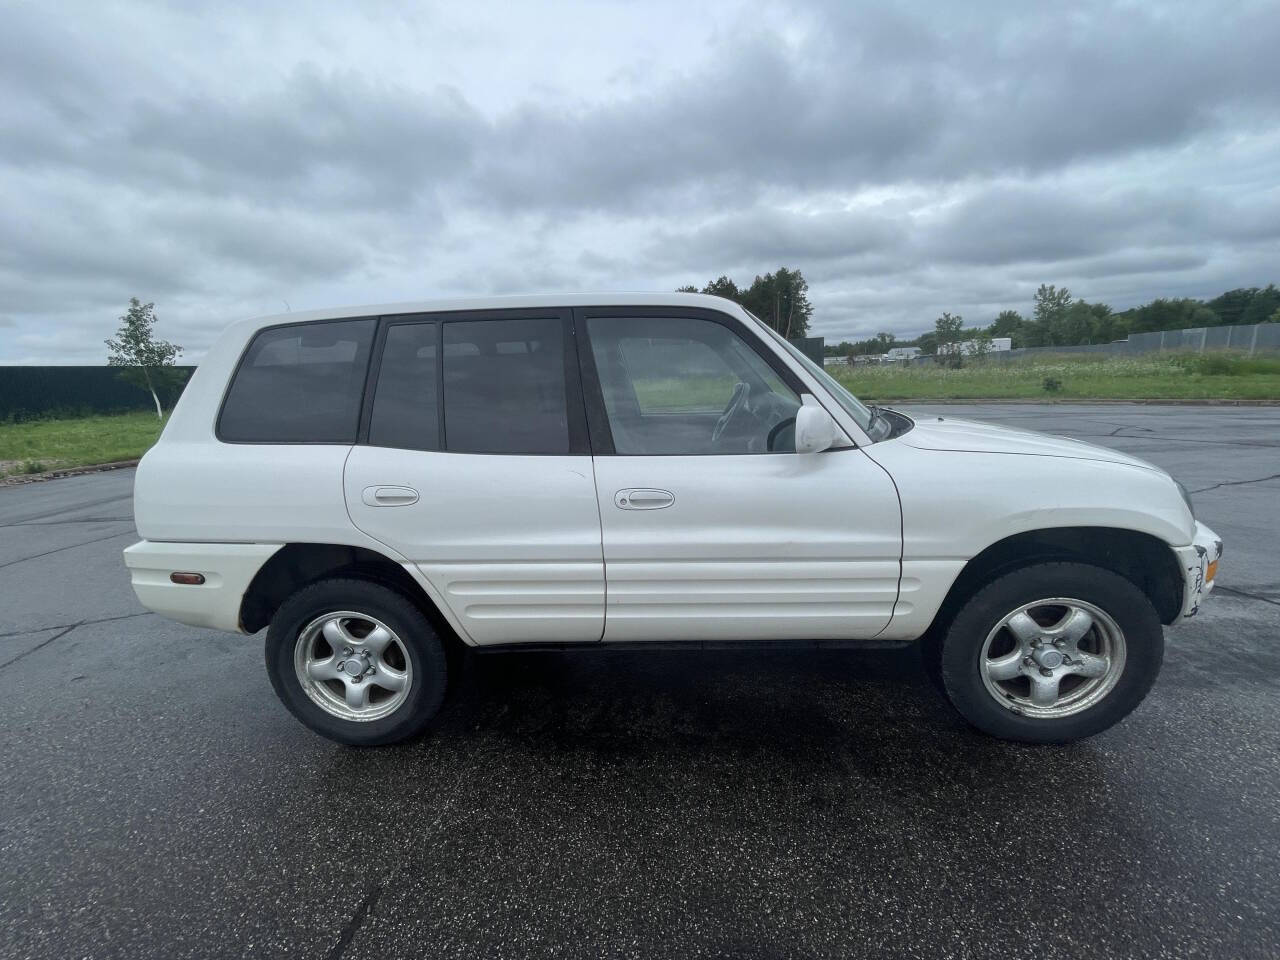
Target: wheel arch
[(1145, 560), (297, 565)]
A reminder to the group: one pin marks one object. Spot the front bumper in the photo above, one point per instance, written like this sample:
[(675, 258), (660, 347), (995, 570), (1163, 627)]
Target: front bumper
[(1199, 568)]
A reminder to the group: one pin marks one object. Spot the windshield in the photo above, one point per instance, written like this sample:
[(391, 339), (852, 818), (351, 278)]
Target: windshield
[(867, 420)]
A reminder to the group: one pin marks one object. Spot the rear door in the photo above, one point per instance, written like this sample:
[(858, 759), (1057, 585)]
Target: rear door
[(473, 463), (714, 528)]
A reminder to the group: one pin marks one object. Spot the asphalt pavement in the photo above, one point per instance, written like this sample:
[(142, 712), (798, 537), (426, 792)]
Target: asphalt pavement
[(157, 801)]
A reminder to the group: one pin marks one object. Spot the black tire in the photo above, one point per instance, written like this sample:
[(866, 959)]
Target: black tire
[(1115, 595), (421, 645)]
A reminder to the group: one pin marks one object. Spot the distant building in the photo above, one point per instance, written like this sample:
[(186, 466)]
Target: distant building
[(902, 353), (835, 361), (969, 347)]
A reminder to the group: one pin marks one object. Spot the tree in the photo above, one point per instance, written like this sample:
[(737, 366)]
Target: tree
[(1230, 306), (722, 286), (1049, 316), (928, 343), (884, 342), (1264, 303), (947, 328), (947, 332), (1076, 325), (1165, 314), (1105, 325), (981, 344), (1008, 323), (147, 362), (781, 300)]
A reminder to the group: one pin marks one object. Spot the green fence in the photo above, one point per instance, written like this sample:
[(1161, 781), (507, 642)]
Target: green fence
[(33, 393)]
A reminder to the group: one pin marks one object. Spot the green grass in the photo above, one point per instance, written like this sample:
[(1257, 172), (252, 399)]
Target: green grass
[(38, 445), (683, 395), (1211, 376)]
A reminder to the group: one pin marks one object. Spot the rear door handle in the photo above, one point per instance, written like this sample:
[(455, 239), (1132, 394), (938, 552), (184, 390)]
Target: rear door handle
[(389, 496), (643, 498)]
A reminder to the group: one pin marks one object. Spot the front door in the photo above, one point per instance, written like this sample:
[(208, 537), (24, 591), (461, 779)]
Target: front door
[(473, 463), (713, 527)]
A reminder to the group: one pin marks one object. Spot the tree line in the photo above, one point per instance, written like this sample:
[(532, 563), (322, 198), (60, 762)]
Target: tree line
[(780, 299), (1060, 320)]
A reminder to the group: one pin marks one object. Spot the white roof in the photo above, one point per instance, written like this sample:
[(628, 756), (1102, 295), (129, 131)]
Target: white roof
[(499, 303)]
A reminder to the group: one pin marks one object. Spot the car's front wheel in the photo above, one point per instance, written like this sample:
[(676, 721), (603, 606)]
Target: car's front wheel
[(356, 662), (1051, 653)]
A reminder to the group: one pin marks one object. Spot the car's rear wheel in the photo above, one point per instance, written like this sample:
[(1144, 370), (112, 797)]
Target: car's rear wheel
[(1051, 653), (356, 662)]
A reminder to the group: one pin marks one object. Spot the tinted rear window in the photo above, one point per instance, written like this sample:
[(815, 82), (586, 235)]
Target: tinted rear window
[(299, 384), (406, 412), (504, 386)]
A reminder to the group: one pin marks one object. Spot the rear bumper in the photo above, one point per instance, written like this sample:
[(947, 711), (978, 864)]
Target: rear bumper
[(1199, 568), (227, 568)]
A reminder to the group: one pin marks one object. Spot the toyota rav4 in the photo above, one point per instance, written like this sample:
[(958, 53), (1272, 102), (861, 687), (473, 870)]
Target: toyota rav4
[(378, 487)]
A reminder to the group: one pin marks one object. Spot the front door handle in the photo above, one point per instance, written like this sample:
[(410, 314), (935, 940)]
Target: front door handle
[(389, 496), (643, 498)]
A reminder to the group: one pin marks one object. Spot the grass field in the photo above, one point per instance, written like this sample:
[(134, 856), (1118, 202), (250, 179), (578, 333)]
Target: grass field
[(1213, 376), (40, 445)]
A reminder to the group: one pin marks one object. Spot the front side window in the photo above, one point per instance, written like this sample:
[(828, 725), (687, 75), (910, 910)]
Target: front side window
[(300, 383), (877, 428), (688, 386)]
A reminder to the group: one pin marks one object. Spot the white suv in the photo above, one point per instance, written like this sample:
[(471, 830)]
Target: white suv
[(377, 486)]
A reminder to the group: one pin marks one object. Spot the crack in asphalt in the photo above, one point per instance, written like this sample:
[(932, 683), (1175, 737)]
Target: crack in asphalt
[(78, 623), (1246, 595), (353, 925), (77, 506), (39, 646), (71, 546), (55, 523), (1236, 483), (1216, 443)]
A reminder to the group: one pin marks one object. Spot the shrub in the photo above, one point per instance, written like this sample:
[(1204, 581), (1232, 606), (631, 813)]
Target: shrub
[(1052, 384), (1224, 363)]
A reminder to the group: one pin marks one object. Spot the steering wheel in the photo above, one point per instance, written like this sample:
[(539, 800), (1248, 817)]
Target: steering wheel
[(736, 403)]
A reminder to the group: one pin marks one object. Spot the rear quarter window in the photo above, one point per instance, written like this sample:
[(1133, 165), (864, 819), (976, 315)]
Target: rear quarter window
[(300, 383)]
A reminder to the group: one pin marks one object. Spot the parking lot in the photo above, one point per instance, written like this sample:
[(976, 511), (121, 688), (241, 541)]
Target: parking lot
[(157, 801)]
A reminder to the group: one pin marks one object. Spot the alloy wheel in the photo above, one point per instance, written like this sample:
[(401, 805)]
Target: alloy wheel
[(353, 666), (1052, 658)]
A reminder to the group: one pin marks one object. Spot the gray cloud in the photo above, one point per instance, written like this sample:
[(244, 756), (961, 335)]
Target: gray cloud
[(763, 234), (909, 158), (876, 97)]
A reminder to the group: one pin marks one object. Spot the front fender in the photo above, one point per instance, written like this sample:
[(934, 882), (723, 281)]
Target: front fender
[(957, 504)]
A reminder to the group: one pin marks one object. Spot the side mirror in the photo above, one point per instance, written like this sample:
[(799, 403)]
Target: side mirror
[(815, 430)]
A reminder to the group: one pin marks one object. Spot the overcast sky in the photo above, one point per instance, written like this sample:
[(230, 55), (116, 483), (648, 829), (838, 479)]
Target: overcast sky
[(908, 158)]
